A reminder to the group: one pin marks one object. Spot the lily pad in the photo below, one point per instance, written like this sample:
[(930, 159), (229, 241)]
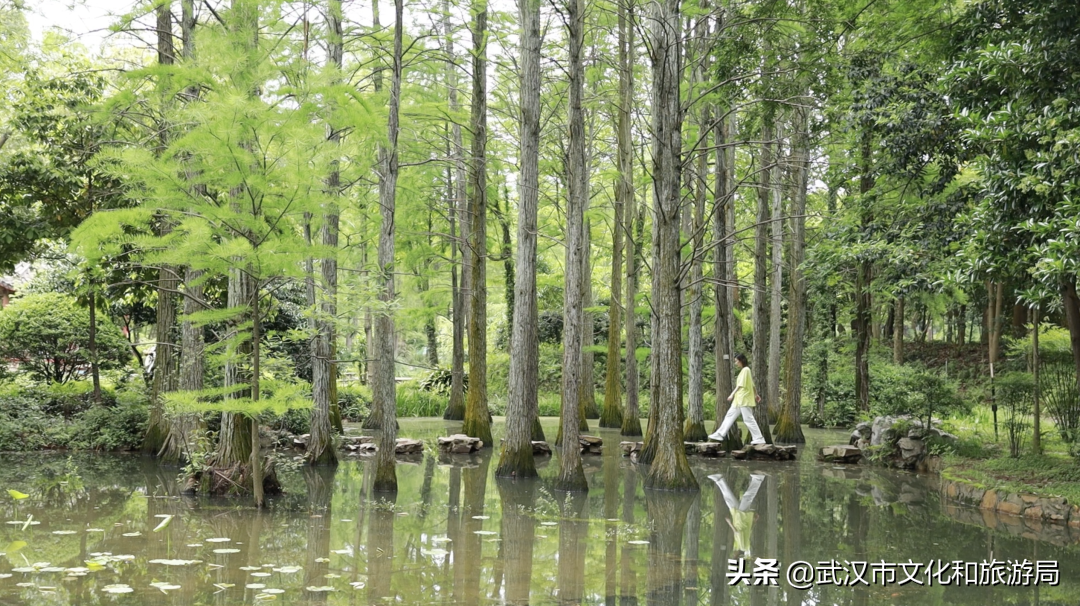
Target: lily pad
[(119, 588), (132, 534), (254, 586), (217, 540), (260, 574), (227, 550), (176, 562), (484, 532), (319, 589), (637, 542), (63, 532), (288, 569)]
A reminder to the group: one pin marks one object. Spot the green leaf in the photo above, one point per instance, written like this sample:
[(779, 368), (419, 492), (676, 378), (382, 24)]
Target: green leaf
[(18, 496)]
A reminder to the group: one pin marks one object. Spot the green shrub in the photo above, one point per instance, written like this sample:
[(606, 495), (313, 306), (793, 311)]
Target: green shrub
[(354, 400), (413, 401), (120, 427), (48, 334)]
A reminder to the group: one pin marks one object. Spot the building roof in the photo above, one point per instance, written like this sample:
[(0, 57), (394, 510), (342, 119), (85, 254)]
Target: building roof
[(6, 286)]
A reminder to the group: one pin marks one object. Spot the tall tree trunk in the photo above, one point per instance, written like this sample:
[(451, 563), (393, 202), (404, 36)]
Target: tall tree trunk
[(759, 353), (516, 457), (477, 418), (234, 438), (898, 331), (588, 380), (631, 423), (1036, 438), (571, 476), (694, 430), (775, 282), (157, 430), (183, 427), (385, 390), (611, 414), (863, 276), (669, 469), (455, 185), (723, 274), (320, 449), (374, 419), (95, 375), (256, 442), (789, 423), (1071, 303), (961, 325), (667, 525)]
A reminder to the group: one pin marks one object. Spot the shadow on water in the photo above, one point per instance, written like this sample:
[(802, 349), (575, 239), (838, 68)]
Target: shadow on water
[(455, 535)]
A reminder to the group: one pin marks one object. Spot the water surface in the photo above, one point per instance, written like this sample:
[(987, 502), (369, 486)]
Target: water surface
[(455, 535)]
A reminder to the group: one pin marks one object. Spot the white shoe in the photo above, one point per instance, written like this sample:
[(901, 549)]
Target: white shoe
[(716, 437), (758, 443)]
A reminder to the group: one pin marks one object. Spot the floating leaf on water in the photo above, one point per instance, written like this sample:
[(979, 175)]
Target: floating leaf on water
[(132, 534), (288, 569), (357, 584), (613, 519), (195, 544), (254, 586), (331, 575), (441, 539), (63, 532), (320, 589), (226, 551), (549, 523), (117, 589), (77, 570), (346, 551), (214, 566), (260, 574), (164, 522), (164, 586), (176, 562), (217, 540), (638, 542), (95, 530), (541, 536), (5, 576), (52, 569), (24, 569), (274, 591), (26, 584), (345, 520), (322, 560), (122, 558), (484, 532), (481, 517), (435, 553), (263, 597), (249, 568), (18, 496)]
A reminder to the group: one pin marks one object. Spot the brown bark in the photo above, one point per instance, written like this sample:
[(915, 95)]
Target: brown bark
[(477, 418), (455, 184), (588, 381), (518, 527), (384, 391), (516, 457), (789, 423), (898, 331), (631, 424), (694, 429), (320, 450), (759, 352), (772, 382), (571, 476), (669, 468), (863, 276)]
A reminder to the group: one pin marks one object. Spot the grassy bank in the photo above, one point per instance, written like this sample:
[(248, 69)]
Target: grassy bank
[(984, 460)]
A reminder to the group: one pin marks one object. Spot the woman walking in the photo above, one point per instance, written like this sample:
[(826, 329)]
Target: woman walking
[(742, 402)]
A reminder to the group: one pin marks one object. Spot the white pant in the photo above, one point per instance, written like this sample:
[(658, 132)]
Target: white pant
[(747, 417), (747, 500)]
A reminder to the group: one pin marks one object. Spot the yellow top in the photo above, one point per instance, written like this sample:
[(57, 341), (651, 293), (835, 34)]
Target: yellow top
[(743, 523), (744, 390)]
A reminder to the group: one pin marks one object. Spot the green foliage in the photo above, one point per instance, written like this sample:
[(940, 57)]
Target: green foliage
[(441, 380), (355, 401), (49, 333), (51, 417), (1015, 391), (414, 401)]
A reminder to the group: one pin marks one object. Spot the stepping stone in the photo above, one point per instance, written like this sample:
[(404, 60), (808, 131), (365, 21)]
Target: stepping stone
[(539, 447), (628, 448), (766, 452), (459, 443), (591, 445), (404, 446), (840, 453), (705, 449)]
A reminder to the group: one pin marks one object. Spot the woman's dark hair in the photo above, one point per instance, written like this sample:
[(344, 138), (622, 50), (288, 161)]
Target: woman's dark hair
[(742, 358)]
